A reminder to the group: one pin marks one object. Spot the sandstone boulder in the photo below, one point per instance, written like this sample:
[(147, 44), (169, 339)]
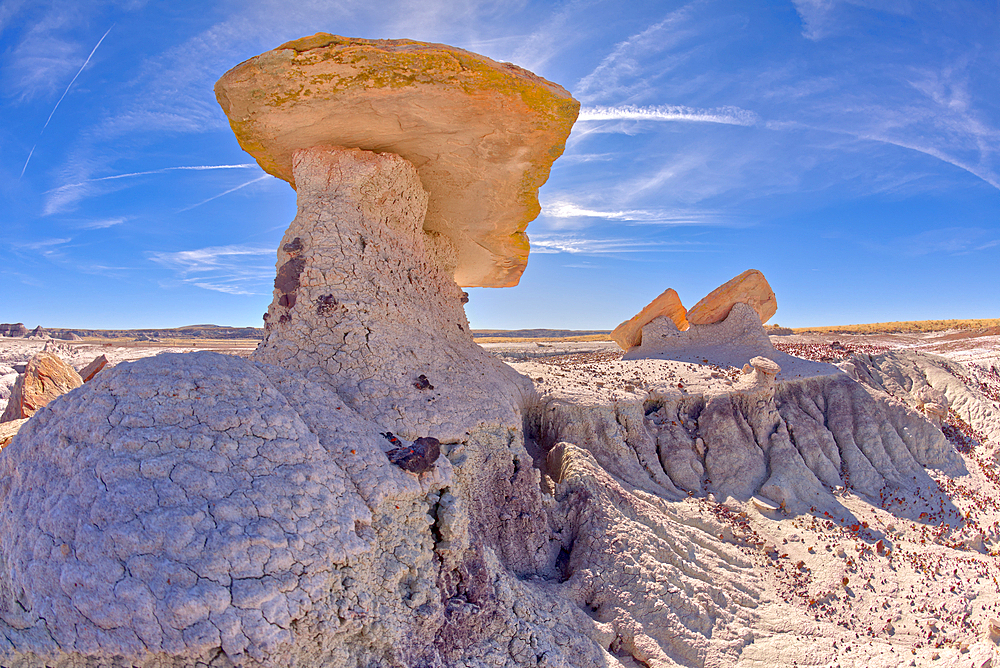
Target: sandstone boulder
[(629, 334), (45, 378), (750, 287), (481, 134)]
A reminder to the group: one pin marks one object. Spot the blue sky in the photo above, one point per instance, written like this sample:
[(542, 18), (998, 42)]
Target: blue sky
[(849, 149)]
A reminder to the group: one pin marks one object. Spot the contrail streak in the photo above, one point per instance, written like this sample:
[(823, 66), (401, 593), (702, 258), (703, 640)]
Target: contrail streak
[(26, 161), (244, 185), (94, 50), (72, 81), (245, 165)]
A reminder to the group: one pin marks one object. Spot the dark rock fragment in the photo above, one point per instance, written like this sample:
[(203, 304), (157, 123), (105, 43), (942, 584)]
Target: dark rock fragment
[(287, 300), (293, 247), (326, 304), (417, 458), (421, 383), (389, 436), (287, 279)]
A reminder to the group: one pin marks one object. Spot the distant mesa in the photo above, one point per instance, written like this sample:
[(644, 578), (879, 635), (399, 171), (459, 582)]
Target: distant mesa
[(13, 330)]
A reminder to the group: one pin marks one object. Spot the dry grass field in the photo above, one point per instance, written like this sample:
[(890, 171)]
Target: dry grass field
[(904, 327)]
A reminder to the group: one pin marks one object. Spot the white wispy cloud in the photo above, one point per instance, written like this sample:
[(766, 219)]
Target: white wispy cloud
[(103, 223), (65, 196), (619, 74), (577, 245), (728, 115), (61, 97), (567, 209), (47, 51), (42, 243), (234, 269), (947, 240), (819, 17), (9, 9), (51, 249), (914, 139)]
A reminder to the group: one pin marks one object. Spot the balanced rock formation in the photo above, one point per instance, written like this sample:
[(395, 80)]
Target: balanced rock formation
[(629, 334), (750, 288), (482, 135), (732, 342), (361, 306), (45, 378)]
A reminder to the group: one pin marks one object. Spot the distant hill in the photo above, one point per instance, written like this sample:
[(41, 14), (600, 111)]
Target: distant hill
[(537, 333), (186, 332)]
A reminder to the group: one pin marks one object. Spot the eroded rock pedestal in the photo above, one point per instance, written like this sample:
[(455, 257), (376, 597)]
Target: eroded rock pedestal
[(364, 303)]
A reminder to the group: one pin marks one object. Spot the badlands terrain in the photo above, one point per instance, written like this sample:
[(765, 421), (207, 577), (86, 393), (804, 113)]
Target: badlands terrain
[(366, 486), (904, 576)]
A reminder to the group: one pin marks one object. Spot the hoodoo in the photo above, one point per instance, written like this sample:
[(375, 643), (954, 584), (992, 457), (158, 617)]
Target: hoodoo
[(417, 168)]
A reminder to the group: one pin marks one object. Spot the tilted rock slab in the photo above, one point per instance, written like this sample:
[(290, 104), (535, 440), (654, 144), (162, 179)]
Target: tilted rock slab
[(750, 288), (482, 135), (92, 369), (629, 334), (45, 377)]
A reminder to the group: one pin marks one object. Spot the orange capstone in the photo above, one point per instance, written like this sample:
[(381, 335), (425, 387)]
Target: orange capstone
[(482, 135), (749, 288), (629, 334)]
